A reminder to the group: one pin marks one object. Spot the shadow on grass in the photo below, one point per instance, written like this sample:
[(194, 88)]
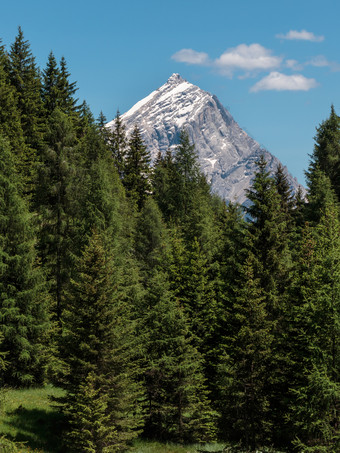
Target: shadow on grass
[(37, 429)]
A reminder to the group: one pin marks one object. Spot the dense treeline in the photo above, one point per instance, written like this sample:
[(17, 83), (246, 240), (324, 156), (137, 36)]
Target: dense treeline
[(161, 310)]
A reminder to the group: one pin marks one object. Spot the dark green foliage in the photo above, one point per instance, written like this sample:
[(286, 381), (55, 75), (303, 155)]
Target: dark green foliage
[(319, 195), (24, 77), (51, 86), (119, 146), (187, 176), (177, 407), (326, 154), (90, 429), (137, 169), (67, 90), (285, 193), (152, 239), (313, 329), (267, 232), (23, 301), (10, 123), (245, 369), (53, 201), (99, 351), (20, 118)]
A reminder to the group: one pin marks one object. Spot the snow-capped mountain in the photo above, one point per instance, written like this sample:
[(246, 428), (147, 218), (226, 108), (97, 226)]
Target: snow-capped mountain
[(226, 153)]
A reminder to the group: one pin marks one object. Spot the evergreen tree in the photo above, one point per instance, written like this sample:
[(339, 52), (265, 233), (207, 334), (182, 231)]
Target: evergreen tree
[(267, 231), (320, 193), (90, 429), (10, 124), (100, 351), (177, 407), (23, 301), (152, 241), (313, 332), (67, 90), (244, 371), (24, 77), (285, 193), (269, 244), (51, 87), (55, 204), (326, 154), (163, 181), (119, 145), (137, 169), (187, 176)]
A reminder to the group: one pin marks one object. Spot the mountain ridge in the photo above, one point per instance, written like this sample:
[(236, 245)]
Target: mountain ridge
[(227, 154)]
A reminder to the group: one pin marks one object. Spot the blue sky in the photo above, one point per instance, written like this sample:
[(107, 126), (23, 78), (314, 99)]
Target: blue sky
[(274, 65)]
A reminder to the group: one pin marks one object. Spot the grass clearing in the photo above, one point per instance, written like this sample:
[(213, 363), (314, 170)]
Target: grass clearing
[(156, 447), (28, 416)]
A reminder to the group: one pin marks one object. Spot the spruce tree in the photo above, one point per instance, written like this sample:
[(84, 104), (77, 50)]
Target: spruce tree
[(177, 405), (137, 169), (10, 123), (100, 352), (163, 181), (326, 154), (54, 201), (313, 332), (51, 88), (187, 176), (24, 78), (23, 302), (269, 244), (67, 102), (245, 373), (119, 145), (267, 231)]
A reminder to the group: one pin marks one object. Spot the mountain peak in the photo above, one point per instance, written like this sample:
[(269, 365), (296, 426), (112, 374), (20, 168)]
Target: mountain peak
[(175, 79), (227, 155)]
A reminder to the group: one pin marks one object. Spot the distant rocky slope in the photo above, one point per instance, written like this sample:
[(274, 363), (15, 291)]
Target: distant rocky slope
[(227, 155)]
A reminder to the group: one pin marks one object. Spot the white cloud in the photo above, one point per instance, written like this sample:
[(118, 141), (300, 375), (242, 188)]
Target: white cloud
[(252, 58), (248, 58), (294, 65), (190, 56), (321, 61), (302, 35), (281, 82)]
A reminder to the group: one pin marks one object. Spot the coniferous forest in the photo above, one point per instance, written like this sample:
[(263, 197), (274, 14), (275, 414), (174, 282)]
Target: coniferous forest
[(162, 311)]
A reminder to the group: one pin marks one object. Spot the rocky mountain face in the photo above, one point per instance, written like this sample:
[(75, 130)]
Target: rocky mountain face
[(227, 155)]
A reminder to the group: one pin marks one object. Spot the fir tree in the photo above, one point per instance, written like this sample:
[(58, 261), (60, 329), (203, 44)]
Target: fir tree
[(313, 330), (177, 406), (320, 193), (187, 176), (67, 90), (53, 201), (245, 370), (163, 181), (269, 244), (100, 351), (137, 169), (24, 77), (326, 154), (267, 230), (119, 145), (23, 302), (285, 193), (90, 429), (10, 123), (51, 84)]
